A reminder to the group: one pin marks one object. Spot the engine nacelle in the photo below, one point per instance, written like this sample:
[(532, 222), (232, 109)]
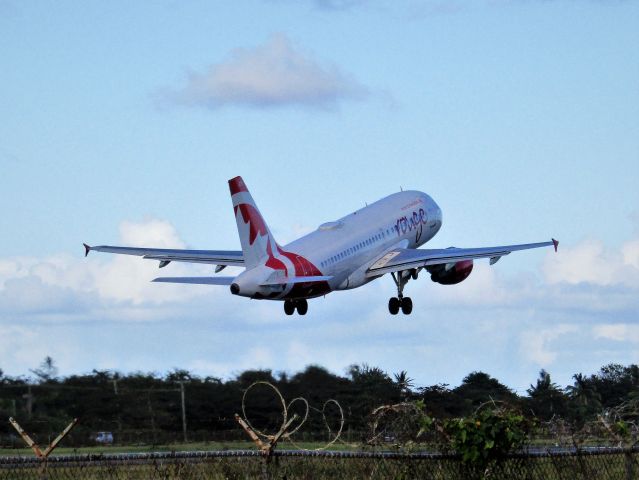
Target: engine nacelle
[(451, 273)]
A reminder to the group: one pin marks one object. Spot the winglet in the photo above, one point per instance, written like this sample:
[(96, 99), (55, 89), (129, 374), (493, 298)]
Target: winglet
[(87, 249), (555, 243)]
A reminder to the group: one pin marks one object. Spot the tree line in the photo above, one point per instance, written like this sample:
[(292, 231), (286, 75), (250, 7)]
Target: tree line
[(149, 405)]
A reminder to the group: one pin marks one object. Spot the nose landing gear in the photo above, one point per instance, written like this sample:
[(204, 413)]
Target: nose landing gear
[(291, 305), (401, 302)]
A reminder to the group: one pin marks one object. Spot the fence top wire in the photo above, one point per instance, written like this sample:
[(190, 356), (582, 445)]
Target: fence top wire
[(152, 456)]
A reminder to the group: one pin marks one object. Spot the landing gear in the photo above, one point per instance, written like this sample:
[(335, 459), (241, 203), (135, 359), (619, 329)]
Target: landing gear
[(301, 305), (289, 307), (393, 305), (405, 303), (401, 302)]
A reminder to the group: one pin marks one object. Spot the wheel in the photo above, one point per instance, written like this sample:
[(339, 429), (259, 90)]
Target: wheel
[(289, 307), (302, 306), (413, 274), (407, 305), (393, 305)]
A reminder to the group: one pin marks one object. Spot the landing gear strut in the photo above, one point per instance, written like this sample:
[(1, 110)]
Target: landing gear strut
[(405, 303), (291, 305)]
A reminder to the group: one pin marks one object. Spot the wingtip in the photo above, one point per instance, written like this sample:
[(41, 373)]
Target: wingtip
[(87, 249), (555, 243)]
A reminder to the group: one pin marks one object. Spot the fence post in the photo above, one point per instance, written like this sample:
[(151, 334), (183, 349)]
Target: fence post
[(43, 456), (630, 465)]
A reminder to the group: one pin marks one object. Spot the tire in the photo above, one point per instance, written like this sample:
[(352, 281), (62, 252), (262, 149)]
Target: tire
[(407, 305), (289, 307), (302, 306), (393, 305)]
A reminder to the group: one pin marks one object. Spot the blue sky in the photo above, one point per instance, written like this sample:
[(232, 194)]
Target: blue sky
[(121, 123)]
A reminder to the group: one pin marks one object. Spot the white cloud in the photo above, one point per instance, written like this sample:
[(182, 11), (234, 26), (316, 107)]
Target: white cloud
[(271, 75), (630, 252), (484, 287), (590, 262), (23, 348), (536, 345), (66, 283), (159, 233), (619, 332)]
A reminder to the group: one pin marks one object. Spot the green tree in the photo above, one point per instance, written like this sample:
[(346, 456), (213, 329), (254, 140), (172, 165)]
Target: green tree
[(47, 371), (404, 384), (440, 401), (478, 388), (546, 399), (485, 438), (616, 383), (584, 400)]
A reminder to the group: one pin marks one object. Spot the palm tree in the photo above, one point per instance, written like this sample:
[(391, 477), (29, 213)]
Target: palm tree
[(546, 397), (583, 392), (404, 383)]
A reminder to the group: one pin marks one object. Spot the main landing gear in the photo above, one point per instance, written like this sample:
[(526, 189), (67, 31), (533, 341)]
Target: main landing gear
[(291, 305), (401, 302)]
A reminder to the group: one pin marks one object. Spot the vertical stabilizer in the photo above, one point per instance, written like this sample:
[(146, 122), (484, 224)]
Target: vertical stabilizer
[(255, 236)]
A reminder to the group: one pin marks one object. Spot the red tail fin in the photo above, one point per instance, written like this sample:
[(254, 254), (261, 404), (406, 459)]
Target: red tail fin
[(255, 236)]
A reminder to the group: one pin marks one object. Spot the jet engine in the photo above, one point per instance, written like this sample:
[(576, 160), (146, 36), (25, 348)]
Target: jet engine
[(450, 273)]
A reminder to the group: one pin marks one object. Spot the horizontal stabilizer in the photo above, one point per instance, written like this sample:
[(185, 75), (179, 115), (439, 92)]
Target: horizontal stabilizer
[(197, 280), (289, 280)]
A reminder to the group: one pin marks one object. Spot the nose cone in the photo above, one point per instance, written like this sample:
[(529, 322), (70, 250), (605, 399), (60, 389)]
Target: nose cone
[(235, 289), (433, 208)]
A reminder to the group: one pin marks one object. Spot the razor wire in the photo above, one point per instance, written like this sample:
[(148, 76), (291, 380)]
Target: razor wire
[(285, 413)]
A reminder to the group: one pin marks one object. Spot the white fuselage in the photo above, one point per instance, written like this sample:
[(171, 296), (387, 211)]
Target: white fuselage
[(346, 248)]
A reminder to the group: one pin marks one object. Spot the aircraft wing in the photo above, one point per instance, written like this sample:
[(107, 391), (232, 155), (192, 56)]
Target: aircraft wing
[(167, 255), (400, 259)]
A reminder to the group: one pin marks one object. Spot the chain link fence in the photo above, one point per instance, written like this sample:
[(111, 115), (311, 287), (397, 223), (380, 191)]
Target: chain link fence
[(594, 463)]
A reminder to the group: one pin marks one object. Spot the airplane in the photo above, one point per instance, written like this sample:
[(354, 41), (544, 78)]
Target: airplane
[(381, 238)]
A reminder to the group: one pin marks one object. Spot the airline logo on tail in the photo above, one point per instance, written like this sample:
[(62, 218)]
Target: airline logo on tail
[(255, 237), (258, 244)]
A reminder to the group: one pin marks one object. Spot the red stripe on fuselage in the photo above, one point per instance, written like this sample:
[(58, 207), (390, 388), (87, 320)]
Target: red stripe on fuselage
[(303, 268), (274, 263)]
